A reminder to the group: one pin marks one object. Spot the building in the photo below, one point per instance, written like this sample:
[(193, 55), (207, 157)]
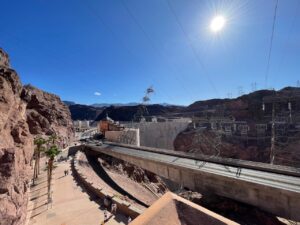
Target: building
[(81, 125), (108, 124)]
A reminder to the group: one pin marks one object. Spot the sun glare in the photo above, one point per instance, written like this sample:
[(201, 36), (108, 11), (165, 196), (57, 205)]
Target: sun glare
[(217, 23)]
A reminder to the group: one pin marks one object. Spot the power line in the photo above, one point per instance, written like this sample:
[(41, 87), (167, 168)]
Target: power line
[(139, 25), (190, 44), (271, 44), (289, 35), (95, 14), (253, 86)]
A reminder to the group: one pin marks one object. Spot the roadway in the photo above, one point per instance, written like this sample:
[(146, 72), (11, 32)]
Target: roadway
[(274, 189)]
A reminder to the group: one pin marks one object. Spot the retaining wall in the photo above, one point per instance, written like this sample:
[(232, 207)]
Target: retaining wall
[(124, 207)]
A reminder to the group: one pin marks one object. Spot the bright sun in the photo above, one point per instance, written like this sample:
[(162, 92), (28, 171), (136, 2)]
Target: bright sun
[(217, 23)]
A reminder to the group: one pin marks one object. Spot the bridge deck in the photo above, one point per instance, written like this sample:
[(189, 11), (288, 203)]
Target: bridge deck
[(277, 179), (272, 188), (285, 170)]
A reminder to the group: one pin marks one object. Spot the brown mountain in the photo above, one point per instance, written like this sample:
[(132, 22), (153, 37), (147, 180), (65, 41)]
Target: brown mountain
[(25, 112), (85, 112), (127, 113)]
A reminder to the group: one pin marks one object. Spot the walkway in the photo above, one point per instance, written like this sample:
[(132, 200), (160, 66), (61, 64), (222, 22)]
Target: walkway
[(71, 205)]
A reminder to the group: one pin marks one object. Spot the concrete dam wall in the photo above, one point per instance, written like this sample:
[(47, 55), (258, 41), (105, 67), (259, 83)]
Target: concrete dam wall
[(159, 134)]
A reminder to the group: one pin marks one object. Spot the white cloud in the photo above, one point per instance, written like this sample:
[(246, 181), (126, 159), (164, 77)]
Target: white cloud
[(97, 93)]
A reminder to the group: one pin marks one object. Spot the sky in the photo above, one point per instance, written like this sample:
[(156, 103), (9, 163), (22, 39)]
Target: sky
[(111, 51)]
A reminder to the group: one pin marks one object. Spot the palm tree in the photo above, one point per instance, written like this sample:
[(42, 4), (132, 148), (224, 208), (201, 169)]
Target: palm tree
[(39, 142), (52, 139), (51, 153)]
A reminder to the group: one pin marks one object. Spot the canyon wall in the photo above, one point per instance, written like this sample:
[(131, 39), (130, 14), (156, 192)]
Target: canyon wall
[(25, 112), (47, 115), (16, 148)]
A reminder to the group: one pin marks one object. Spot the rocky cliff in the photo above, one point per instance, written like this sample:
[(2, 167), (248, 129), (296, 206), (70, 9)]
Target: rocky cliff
[(15, 149), (241, 128), (47, 114), (24, 113)]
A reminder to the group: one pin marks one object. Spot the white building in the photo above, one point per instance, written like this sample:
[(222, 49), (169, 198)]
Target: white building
[(81, 124)]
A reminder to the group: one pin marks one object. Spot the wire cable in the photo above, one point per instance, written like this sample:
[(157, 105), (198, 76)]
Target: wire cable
[(285, 48), (107, 27), (271, 44), (139, 25), (195, 53)]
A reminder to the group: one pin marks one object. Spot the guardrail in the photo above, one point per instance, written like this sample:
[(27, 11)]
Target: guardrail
[(284, 170)]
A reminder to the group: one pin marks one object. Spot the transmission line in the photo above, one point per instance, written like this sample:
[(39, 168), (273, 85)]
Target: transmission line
[(271, 44), (107, 27), (195, 53), (289, 35), (151, 42)]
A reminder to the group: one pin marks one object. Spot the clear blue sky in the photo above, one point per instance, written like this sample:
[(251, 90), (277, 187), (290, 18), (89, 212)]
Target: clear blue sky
[(75, 48)]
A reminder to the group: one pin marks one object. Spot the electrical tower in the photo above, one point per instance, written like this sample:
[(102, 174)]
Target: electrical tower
[(142, 109), (240, 91), (129, 136), (253, 86)]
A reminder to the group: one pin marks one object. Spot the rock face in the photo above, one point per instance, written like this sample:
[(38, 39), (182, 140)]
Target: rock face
[(135, 173), (15, 148), (240, 128), (24, 113), (47, 114)]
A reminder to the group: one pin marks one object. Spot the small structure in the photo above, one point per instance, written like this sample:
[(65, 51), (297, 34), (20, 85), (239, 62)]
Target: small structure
[(108, 124), (243, 129), (81, 125), (228, 128), (173, 210), (261, 130)]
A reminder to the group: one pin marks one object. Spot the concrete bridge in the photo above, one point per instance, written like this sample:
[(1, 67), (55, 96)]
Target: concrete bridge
[(275, 189)]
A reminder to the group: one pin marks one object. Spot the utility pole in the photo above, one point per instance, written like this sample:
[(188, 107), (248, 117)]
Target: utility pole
[(290, 109), (272, 150), (240, 91), (273, 135), (253, 86)]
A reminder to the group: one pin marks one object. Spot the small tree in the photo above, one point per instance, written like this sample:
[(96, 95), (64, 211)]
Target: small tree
[(39, 142), (51, 153), (52, 139)]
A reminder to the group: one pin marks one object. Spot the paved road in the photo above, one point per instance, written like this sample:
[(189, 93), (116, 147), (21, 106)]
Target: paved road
[(270, 191), (251, 175), (71, 205)]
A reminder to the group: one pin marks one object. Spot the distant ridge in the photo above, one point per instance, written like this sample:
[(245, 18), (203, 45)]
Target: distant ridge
[(114, 104), (68, 103), (243, 107), (103, 105)]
